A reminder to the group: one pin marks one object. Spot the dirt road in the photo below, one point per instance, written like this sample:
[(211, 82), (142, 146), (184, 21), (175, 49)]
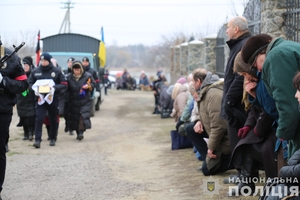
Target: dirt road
[(126, 155)]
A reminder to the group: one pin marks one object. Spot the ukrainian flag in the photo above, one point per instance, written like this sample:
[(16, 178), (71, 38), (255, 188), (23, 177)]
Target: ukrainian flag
[(102, 50)]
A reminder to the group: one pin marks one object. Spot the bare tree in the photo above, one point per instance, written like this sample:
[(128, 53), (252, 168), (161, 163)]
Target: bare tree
[(232, 6), (30, 40)]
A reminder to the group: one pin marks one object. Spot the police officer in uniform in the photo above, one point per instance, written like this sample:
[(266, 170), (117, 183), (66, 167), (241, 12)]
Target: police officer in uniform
[(87, 68), (47, 71), (13, 80)]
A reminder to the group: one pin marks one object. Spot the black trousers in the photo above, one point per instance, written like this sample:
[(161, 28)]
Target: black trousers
[(201, 146), (5, 120), (41, 111)]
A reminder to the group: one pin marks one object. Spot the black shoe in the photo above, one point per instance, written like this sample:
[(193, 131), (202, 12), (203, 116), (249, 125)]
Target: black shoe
[(80, 136), (30, 136), (25, 138), (37, 144), (71, 133), (52, 143), (66, 129)]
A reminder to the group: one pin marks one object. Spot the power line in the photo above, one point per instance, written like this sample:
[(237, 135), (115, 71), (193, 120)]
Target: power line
[(123, 4)]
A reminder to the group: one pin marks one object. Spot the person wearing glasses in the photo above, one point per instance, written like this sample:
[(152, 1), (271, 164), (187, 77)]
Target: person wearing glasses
[(278, 60)]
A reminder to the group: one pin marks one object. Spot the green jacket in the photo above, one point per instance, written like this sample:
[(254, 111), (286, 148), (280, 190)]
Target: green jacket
[(281, 65)]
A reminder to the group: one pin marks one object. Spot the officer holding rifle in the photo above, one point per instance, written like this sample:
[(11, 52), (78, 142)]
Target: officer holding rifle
[(13, 80)]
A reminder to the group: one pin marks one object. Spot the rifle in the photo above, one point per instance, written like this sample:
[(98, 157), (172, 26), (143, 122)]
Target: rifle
[(6, 57)]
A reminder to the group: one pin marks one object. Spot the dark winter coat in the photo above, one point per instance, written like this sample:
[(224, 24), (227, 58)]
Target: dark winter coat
[(265, 142), (26, 102), (79, 105), (233, 83), (166, 101), (14, 82), (49, 72)]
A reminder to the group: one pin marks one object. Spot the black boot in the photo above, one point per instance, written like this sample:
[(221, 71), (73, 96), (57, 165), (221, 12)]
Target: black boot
[(246, 185), (30, 133), (80, 135), (25, 128)]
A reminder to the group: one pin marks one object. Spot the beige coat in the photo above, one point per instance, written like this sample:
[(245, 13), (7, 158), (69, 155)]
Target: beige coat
[(180, 101), (209, 108)]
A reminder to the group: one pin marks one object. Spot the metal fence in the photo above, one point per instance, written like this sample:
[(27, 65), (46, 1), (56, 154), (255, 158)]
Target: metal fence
[(291, 21)]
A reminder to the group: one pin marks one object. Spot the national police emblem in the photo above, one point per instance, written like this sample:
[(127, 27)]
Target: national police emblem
[(53, 74), (211, 186)]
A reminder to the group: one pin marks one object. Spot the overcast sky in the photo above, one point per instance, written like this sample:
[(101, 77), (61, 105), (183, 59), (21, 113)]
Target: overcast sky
[(124, 22)]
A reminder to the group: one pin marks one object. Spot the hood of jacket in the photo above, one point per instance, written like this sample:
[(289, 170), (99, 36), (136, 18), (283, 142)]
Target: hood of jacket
[(210, 81)]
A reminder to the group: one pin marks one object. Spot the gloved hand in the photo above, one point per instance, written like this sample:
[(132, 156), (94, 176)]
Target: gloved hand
[(244, 131), (179, 122), (36, 93)]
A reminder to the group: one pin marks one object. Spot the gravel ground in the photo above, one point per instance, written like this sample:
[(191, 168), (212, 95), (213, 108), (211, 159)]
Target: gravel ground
[(126, 155)]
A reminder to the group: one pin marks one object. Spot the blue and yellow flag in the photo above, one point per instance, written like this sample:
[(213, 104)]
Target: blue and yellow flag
[(102, 50)]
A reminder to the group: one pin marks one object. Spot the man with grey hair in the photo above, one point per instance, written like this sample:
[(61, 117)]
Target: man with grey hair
[(232, 109)]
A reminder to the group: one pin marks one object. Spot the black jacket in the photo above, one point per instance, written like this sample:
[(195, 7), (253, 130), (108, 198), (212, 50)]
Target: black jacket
[(79, 105), (166, 100), (26, 102), (233, 83), (14, 82), (49, 72)]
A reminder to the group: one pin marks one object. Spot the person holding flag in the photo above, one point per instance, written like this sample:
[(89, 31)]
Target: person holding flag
[(38, 50)]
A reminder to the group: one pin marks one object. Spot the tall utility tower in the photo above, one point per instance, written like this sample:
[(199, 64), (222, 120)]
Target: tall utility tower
[(66, 22)]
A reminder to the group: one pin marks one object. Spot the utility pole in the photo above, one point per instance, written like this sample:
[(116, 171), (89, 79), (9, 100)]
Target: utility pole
[(66, 22)]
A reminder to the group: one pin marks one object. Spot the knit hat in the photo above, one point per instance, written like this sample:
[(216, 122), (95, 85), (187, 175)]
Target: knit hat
[(46, 56), (254, 46), (181, 80), (240, 66), (27, 61)]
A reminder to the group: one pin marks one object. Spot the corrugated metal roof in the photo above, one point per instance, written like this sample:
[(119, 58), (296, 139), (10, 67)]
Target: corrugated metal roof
[(70, 42)]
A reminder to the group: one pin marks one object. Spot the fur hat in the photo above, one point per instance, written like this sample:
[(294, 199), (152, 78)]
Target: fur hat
[(254, 46), (240, 66), (46, 56), (77, 65)]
